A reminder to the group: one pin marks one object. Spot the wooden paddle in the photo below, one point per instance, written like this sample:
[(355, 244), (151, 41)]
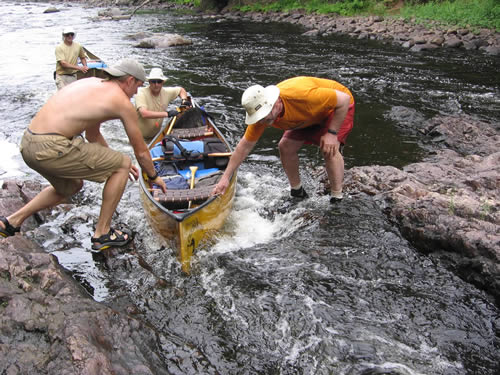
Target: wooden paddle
[(171, 125), (193, 170)]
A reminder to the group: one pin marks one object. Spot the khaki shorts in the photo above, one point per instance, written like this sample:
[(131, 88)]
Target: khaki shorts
[(65, 162), (64, 80)]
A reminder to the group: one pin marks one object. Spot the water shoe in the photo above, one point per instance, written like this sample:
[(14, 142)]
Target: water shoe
[(299, 193), (111, 239), (9, 230)]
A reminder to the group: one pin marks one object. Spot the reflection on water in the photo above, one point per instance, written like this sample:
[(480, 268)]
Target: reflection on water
[(317, 290)]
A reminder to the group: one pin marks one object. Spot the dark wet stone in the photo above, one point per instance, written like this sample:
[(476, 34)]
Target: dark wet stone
[(49, 322), (450, 202)]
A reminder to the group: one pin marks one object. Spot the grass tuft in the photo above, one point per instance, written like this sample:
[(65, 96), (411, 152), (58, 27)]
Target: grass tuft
[(460, 13)]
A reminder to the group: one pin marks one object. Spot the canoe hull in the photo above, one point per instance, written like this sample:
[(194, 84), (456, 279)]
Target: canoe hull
[(185, 228), (185, 233)]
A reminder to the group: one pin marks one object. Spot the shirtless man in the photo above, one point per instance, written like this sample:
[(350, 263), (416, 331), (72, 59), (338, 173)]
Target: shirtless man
[(53, 146)]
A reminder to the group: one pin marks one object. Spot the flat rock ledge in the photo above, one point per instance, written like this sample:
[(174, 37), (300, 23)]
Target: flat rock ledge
[(448, 204), (50, 325)]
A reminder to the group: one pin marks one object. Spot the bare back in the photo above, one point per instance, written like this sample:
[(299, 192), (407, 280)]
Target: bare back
[(83, 105)]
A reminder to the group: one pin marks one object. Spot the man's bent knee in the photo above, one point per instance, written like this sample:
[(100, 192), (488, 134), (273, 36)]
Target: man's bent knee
[(288, 146), (69, 189), (125, 165), (126, 162), (335, 157)]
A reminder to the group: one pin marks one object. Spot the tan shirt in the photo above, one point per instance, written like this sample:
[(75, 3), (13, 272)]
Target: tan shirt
[(150, 127), (70, 54)]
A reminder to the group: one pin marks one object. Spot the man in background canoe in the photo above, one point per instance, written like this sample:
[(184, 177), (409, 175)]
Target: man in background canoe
[(152, 101), (310, 110), (67, 54), (54, 147)]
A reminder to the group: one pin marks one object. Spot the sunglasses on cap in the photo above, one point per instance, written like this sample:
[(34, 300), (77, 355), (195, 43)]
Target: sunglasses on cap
[(157, 81), (69, 34)]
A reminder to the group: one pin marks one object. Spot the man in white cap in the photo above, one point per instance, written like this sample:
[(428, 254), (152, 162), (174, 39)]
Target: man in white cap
[(67, 54), (310, 110), (151, 102), (53, 146)]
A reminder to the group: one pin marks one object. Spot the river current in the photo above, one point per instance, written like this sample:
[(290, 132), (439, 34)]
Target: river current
[(317, 290)]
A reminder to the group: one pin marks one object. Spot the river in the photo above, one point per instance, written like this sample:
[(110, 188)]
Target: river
[(317, 290)]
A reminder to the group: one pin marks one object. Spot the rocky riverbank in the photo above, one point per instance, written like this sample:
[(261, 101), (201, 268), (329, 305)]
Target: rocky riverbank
[(49, 324), (448, 205), (408, 34)]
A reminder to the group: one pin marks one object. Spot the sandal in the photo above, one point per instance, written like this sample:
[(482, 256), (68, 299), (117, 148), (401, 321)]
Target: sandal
[(110, 239), (9, 230)]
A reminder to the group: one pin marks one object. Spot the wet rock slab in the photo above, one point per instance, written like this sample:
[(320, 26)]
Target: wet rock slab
[(448, 204), (48, 322)]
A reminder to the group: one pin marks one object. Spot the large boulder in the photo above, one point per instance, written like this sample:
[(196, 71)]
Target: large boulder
[(50, 325), (448, 204), (157, 40)]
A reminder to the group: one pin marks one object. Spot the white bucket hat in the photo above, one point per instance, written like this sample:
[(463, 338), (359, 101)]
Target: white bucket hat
[(258, 102), (156, 73), (68, 30), (127, 66)]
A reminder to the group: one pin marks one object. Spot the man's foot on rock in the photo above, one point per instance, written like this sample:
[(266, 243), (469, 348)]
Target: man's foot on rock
[(7, 230), (335, 200), (299, 193)]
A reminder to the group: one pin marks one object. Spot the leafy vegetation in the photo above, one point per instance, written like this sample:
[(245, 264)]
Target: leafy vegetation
[(461, 13), (476, 13)]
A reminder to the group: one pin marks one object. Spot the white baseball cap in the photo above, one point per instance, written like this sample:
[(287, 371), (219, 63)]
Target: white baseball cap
[(127, 66), (258, 102), (68, 30)]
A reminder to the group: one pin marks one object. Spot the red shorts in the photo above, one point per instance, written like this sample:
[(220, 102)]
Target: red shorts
[(312, 134)]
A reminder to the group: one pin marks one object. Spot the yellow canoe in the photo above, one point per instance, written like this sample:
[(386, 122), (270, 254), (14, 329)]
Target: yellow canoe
[(187, 215)]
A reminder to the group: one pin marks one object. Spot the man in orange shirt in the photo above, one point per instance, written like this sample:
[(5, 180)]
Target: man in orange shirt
[(310, 110)]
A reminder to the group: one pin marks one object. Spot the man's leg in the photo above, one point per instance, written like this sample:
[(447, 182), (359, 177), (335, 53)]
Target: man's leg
[(47, 198), (111, 195), (290, 159), (335, 171), (64, 80)]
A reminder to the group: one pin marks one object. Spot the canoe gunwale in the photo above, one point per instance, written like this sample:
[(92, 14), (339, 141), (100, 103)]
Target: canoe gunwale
[(178, 215), (181, 215)]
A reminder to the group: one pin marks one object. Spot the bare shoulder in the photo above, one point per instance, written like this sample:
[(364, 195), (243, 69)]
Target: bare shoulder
[(96, 91), (94, 84), (93, 99)]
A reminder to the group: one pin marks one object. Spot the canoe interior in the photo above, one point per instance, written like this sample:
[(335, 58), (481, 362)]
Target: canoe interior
[(188, 213)]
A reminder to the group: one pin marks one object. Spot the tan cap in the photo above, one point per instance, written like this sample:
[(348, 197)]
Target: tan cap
[(127, 66)]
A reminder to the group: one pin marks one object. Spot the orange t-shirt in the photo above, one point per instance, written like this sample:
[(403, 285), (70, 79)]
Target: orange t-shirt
[(307, 101)]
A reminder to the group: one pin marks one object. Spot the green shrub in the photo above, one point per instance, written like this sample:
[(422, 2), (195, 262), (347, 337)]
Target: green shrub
[(464, 13)]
